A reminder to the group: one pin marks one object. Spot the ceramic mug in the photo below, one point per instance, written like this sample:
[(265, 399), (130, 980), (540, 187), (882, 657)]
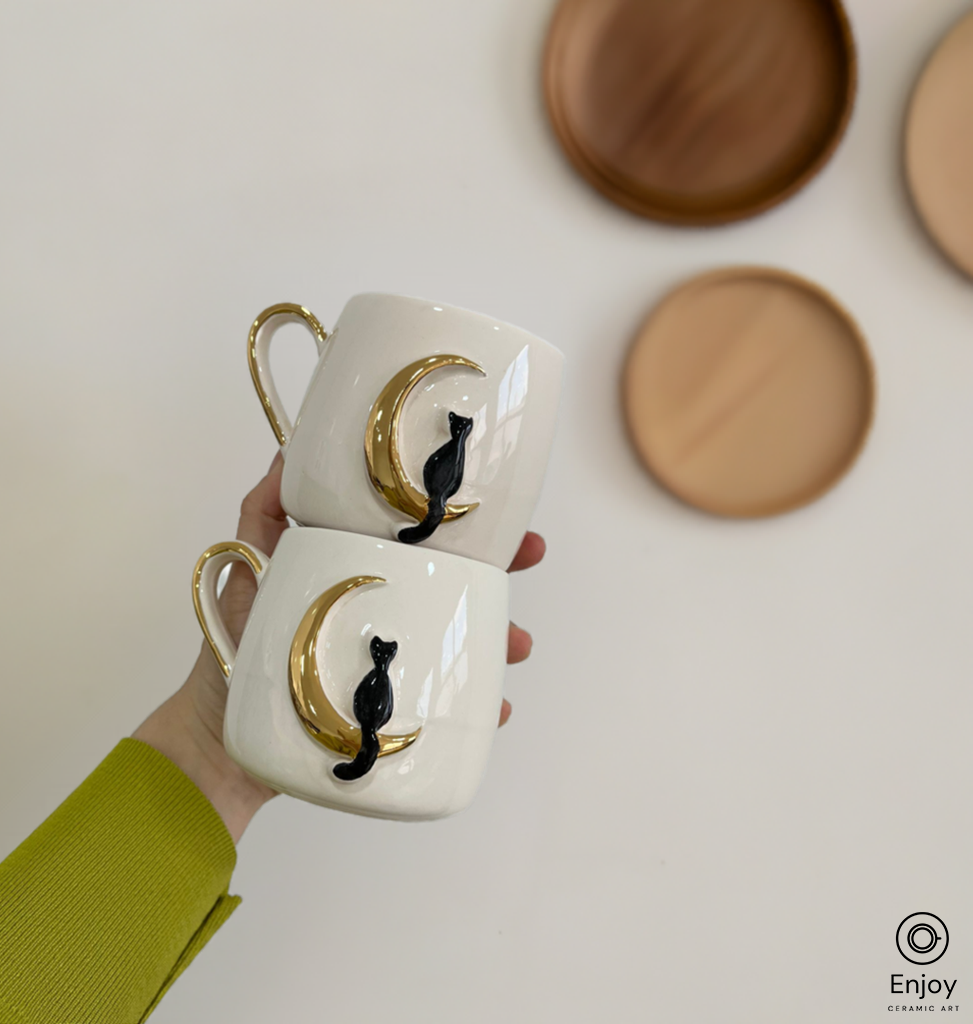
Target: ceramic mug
[(422, 422), (370, 674)]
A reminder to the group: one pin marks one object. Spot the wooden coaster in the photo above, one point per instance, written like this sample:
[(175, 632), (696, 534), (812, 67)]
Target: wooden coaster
[(939, 145), (699, 111), (748, 392)]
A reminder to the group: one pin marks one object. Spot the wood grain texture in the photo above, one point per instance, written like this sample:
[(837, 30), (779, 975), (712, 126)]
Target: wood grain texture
[(701, 111), (939, 145), (748, 392)]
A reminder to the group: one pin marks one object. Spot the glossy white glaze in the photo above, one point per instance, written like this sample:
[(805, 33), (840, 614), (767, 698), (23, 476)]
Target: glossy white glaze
[(514, 407), (449, 618)]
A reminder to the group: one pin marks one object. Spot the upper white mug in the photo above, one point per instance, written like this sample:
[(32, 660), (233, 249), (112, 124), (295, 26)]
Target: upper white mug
[(422, 422), (370, 674)]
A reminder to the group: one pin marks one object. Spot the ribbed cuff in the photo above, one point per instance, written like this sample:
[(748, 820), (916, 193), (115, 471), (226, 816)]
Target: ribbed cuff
[(108, 901)]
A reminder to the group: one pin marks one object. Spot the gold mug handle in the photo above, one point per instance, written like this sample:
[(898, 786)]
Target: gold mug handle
[(205, 576), (258, 349)]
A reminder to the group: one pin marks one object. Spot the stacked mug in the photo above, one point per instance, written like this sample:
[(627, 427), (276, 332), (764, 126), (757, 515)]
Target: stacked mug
[(369, 676)]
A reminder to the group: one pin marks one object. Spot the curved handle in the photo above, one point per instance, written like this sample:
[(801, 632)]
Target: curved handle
[(205, 576), (258, 348)]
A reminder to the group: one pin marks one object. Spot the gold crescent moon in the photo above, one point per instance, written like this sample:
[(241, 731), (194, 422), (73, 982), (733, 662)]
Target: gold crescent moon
[(382, 440), (317, 714)]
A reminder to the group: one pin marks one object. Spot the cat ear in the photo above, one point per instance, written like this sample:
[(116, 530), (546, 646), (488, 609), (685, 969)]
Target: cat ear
[(452, 418)]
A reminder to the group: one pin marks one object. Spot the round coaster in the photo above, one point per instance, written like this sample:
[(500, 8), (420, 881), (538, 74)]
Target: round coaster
[(699, 111), (939, 145), (748, 392)]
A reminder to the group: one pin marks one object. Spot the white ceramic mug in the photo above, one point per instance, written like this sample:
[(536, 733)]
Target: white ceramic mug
[(340, 623), (422, 422)]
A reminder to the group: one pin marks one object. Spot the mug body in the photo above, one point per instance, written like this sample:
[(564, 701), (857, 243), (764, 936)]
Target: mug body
[(378, 409), (310, 643)]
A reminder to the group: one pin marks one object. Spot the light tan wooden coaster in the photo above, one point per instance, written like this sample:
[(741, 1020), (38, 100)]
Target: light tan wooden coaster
[(939, 145), (748, 392), (699, 111)]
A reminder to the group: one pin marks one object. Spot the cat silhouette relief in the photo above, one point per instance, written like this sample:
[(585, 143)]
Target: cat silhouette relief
[(373, 709), (442, 476)]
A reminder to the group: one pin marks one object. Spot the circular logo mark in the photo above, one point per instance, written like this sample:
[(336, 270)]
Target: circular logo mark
[(922, 938)]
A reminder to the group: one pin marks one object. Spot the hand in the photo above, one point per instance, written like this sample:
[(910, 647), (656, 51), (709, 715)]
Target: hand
[(188, 727)]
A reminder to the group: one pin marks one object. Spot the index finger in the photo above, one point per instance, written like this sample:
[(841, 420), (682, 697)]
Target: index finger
[(531, 551)]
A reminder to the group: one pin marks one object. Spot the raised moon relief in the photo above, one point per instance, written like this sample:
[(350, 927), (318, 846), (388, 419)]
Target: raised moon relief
[(320, 718), (382, 451)]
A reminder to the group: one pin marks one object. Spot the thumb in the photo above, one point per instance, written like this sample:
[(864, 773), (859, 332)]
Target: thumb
[(262, 517)]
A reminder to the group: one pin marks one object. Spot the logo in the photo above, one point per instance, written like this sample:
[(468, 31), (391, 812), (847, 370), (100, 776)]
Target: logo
[(922, 938)]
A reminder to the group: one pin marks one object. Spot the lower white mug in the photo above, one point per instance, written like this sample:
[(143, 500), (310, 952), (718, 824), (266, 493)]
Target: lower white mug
[(370, 674)]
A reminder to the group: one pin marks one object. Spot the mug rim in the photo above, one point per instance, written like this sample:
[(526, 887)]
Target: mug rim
[(406, 550), (455, 309)]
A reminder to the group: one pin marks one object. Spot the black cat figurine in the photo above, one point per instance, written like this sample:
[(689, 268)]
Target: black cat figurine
[(442, 476), (373, 708)]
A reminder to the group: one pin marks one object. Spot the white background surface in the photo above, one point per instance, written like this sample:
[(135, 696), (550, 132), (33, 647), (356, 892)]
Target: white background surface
[(740, 753)]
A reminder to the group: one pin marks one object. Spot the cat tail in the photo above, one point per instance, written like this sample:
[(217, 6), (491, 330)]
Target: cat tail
[(348, 771), (424, 530)]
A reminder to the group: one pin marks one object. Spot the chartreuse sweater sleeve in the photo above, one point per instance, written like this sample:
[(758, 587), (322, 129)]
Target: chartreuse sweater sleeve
[(108, 901)]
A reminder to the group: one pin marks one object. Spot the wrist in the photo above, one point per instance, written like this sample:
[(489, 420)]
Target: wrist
[(187, 729)]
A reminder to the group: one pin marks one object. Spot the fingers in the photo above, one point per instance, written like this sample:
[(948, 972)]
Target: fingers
[(532, 549), (262, 517), (519, 643)]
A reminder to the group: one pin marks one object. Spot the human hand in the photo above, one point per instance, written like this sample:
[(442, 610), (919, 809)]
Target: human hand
[(188, 727)]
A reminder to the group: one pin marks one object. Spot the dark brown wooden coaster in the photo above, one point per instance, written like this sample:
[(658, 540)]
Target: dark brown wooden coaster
[(699, 111)]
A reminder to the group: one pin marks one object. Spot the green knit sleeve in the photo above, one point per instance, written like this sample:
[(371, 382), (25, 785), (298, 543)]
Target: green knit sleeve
[(108, 901)]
